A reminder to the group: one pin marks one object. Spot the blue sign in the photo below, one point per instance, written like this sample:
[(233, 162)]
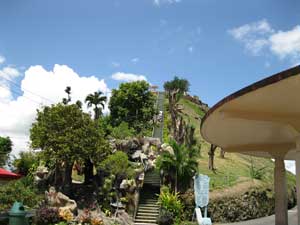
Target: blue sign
[(201, 187)]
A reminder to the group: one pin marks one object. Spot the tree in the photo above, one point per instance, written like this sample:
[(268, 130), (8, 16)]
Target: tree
[(65, 133), (95, 100), (182, 165), (211, 154), (175, 89), (5, 149), (25, 162), (132, 103)]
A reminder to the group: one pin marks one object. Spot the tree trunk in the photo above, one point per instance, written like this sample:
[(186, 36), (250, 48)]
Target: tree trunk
[(67, 183), (211, 154), (88, 171), (222, 154)]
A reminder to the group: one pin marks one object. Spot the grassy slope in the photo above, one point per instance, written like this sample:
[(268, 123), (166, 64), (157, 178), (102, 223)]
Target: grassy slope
[(234, 169)]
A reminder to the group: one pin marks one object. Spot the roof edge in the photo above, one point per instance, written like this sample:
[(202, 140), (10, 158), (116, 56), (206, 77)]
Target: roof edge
[(252, 87)]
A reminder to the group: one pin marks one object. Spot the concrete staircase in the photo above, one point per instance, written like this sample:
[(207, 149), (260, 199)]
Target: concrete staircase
[(148, 209)]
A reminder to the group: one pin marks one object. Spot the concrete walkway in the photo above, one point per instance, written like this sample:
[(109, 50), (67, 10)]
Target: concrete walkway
[(270, 220)]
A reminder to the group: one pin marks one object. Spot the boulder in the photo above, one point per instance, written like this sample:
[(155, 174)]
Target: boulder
[(60, 201), (166, 147)]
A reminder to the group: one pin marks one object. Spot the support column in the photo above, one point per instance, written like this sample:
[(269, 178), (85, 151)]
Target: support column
[(298, 185), (281, 213)]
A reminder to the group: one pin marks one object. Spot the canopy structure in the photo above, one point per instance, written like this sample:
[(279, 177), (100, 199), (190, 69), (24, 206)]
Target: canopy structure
[(8, 175), (262, 119)]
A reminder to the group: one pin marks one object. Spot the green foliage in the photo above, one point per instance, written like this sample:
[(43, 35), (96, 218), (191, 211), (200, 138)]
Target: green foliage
[(96, 99), (25, 162), (182, 165), (65, 133), (5, 149), (134, 104), (256, 173), (117, 164), (171, 203), (177, 85), (122, 131), (18, 191)]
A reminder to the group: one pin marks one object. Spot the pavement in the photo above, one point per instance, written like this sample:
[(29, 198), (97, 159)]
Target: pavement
[(270, 220)]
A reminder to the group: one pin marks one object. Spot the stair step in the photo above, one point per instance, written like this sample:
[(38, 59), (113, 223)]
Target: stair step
[(154, 217), (145, 221), (147, 213)]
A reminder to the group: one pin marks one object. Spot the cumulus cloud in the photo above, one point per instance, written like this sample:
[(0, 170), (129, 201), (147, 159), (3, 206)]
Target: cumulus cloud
[(127, 77), (41, 87), (159, 2), (7, 74), (260, 36), (286, 43), (2, 59), (254, 35)]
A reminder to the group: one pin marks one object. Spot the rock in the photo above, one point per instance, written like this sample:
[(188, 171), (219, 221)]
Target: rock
[(152, 141), (136, 155), (166, 147), (60, 201)]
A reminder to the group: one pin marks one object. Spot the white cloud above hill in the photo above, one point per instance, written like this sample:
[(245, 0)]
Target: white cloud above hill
[(127, 77), (38, 87), (259, 37)]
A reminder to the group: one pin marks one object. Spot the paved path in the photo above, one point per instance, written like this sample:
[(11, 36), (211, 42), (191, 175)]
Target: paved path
[(158, 130), (270, 220)]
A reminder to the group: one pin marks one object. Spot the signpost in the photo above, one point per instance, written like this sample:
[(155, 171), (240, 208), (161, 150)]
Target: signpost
[(201, 188)]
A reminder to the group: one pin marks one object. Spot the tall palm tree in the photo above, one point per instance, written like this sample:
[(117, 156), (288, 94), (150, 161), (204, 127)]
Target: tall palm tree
[(182, 165), (97, 100)]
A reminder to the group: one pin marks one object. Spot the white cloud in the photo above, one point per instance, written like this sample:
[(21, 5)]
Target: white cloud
[(254, 35), (2, 59), (260, 36), (135, 60), (17, 115), (290, 166), (7, 74), (127, 77), (286, 43), (159, 2)]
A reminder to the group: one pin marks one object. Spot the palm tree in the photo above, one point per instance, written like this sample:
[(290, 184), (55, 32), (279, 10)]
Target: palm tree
[(182, 165), (96, 99)]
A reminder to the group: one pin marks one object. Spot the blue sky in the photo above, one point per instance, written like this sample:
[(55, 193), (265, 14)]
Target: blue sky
[(219, 46), (157, 39)]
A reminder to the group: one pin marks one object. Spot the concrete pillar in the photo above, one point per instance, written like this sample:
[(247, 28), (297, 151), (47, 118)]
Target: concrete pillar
[(298, 185), (281, 213)]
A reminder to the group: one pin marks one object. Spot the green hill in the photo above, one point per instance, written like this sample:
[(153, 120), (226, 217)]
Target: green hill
[(233, 170)]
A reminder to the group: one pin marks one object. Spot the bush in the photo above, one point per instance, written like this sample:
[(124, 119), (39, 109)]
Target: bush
[(25, 162), (165, 218), (171, 203), (46, 216), (18, 191), (122, 131)]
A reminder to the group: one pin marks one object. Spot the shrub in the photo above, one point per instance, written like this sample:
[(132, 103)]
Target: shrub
[(46, 215), (122, 131), (18, 191), (171, 203), (25, 162), (256, 173)]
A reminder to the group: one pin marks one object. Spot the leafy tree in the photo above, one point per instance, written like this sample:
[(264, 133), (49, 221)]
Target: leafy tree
[(5, 149), (178, 85), (182, 165), (134, 104), (65, 133), (95, 100), (25, 162), (122, 131)]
